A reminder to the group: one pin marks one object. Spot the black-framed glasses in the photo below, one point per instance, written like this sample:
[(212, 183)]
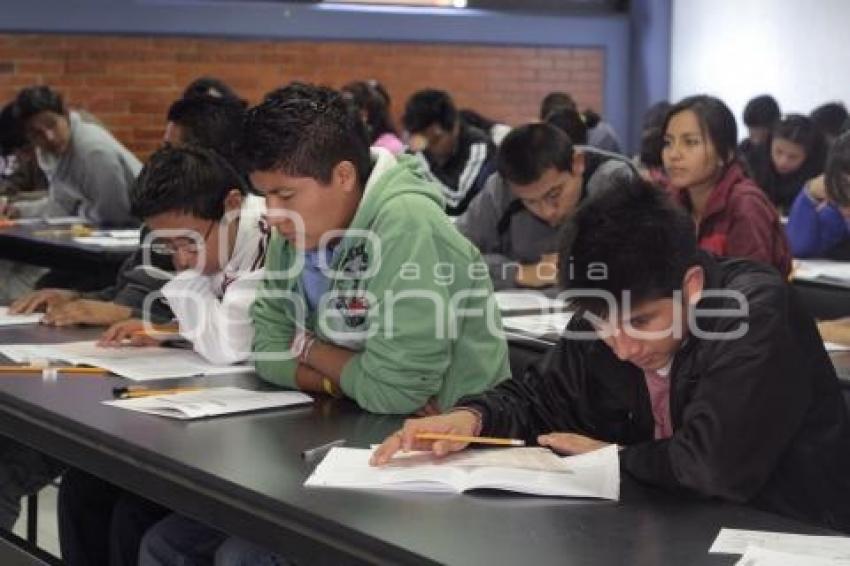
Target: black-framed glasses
[(181, 244)]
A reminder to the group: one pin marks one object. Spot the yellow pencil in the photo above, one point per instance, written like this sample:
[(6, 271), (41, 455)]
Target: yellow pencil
[(128, 393), (471, 439)]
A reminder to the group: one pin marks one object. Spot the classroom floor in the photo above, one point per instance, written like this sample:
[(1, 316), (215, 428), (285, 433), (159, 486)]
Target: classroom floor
[(48, 531)]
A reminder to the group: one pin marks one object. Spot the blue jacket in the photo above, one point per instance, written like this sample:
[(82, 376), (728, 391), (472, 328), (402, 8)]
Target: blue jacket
[(812, 230)]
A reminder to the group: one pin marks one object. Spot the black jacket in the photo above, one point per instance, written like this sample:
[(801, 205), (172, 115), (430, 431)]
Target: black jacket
[(464, 174), (759, 419)]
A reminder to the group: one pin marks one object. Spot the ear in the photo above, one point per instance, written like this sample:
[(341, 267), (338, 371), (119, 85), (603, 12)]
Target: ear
[(344, 176), (233, 201), (578, 163), (693, 284)]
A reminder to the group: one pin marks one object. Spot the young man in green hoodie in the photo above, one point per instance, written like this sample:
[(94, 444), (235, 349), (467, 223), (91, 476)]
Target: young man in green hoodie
[(370, 292)]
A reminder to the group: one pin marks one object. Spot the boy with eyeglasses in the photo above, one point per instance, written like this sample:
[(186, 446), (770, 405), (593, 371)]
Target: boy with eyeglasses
[(196, 206)]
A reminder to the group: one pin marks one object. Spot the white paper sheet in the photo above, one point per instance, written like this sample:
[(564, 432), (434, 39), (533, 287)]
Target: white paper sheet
[(835, 347), (736, 541), (597, 476), (7, 319), (756, 556), (140, 364), (211, 402), (65, 220), (538, 324), (822, 270), (106, 241), (512, 301)]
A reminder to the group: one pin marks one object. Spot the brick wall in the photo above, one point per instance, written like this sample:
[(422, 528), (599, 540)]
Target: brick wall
[(129, 82)]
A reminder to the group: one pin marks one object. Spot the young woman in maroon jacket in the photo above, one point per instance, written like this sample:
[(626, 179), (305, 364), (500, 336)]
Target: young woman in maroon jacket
[(733, 215)]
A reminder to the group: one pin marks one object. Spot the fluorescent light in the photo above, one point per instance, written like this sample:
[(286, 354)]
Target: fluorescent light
[(417, 3)]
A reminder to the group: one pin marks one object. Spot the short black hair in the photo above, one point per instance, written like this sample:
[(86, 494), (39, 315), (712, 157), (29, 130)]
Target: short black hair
[(571, 122), (11, 135), (213, 123), (428, 107), (652, 134), (555, 100), (716, 121), (187, 179), (761, 112), (830, 117), (35, 100), (802, 131), (837, 175), (306, 132), (529, 151), (210, 86), (645, 242), (367, 98)]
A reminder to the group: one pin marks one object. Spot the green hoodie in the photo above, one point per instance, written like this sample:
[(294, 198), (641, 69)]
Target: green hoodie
[(409, 294)]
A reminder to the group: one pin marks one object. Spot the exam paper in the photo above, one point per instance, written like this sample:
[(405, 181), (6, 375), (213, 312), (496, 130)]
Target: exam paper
[(106, 241), (211, 402), (513, 301), (736, 541), (538, 324), (65, 220), (140, 364), (7, 319), (814, 269), (596, 476), (756, 556)]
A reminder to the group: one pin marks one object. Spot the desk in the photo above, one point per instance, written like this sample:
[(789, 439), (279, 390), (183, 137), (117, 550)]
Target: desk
[(59, 251), (244, 474)]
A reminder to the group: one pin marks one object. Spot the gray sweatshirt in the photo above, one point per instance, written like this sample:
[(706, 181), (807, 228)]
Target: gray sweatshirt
[(508, 234), (91, 179)]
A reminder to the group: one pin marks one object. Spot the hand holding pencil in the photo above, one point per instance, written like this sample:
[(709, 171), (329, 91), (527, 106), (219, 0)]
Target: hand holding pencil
[(442, 435)]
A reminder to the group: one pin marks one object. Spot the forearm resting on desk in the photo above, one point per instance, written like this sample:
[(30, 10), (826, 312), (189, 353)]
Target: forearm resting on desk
[(322, 361)]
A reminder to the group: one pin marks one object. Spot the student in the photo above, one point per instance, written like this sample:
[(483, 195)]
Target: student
[(210, 87), (733, 216), (496, 130), (760, 116), (218, 239), (652, 143), (707, 372), (371, 103), (600, 134), (20, 176), (818, 223), (200, 214), (379, 225), (794, 154), (204, 121), (90, 172), (515, 221), (459, 156), (829, 119)]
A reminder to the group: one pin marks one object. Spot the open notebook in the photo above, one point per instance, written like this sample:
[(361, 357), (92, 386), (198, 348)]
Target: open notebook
[(536, 471), (211, 402), (139, 364), (7, 319)]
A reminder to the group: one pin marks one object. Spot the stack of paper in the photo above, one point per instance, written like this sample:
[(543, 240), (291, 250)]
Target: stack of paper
[(129, 361), (535, 471), (763, 548), (7, 319), (211, 402)]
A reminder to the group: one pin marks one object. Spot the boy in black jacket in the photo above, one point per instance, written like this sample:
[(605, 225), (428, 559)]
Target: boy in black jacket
[(708, 372)]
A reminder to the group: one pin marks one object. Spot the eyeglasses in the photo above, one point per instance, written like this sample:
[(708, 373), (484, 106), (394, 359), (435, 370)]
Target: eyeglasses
[(182, 244)]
